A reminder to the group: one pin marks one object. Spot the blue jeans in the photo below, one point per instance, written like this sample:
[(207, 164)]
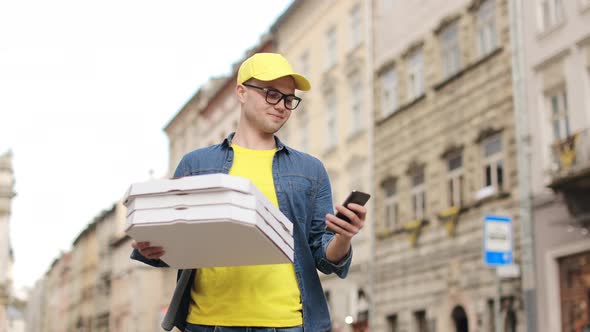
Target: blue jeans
[(204, 328)]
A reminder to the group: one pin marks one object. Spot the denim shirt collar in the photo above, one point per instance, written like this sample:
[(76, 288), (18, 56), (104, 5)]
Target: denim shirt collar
[(280, 146)]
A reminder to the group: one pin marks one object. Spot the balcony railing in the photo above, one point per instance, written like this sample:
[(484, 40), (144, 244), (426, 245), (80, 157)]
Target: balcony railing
[(571, 177), (572, 154)]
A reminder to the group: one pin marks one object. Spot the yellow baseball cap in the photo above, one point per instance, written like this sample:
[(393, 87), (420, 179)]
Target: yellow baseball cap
[(268, 67)]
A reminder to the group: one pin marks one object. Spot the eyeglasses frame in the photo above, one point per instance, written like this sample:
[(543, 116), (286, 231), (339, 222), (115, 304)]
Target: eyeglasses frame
[(283, 96)]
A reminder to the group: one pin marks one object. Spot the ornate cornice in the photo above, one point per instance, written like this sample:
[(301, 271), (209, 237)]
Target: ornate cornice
[(412, 48), (446, 21), (487, 132), (450, 150)]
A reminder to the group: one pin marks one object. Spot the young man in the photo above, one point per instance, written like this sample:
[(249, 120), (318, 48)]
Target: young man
[(278, 297)]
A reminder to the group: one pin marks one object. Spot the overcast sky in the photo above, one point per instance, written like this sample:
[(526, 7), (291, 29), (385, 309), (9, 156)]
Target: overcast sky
[(85, 90)]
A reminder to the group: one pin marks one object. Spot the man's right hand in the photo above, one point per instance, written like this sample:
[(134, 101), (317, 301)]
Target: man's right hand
[(147, 251)]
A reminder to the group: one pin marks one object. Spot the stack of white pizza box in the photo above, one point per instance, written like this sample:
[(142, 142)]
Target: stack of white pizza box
[(209, 221)]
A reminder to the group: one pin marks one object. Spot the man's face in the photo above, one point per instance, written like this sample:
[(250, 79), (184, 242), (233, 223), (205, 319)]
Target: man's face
[(258, 113)]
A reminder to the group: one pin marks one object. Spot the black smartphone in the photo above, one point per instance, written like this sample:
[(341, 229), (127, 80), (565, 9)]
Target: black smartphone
[(357, 197)]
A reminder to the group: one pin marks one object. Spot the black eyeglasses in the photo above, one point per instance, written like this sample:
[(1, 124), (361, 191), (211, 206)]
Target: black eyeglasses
[(274, 96)]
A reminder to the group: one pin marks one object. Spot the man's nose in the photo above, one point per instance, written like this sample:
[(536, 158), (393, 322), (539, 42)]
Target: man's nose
[(280, 106)]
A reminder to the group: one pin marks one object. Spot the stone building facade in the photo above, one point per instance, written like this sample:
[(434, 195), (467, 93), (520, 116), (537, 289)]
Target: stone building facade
[(51, 309), (445, 157), (96, 287), (557, 81)]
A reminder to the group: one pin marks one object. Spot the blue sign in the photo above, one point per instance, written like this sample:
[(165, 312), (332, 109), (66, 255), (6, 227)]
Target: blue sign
[(497, 240)]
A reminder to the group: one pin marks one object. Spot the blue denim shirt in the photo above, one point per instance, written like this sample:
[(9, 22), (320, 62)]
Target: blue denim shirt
[(305, 197)]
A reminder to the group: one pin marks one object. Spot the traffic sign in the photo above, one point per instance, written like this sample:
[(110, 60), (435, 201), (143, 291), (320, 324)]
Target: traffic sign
[(497, 240)]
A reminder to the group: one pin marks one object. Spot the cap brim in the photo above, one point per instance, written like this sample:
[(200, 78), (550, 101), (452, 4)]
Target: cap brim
[(301, 83)]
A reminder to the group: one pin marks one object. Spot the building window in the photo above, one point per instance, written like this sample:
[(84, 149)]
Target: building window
[(388, 92), (455, 180), (391, 204), (420, 323), (418, 195), (331, 121), (559, 114), (362, 309), (331, 48), (304, 128), (486, 28), (550, 13), (356, 29), (392, 325), (493, 163), (415, 74), (356, 110), (451, 54)]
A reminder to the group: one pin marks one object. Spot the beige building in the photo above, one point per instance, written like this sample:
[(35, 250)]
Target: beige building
[(6, 257), (557, 81), (52, 310), (36, 306), (105, 234), (139, 293), (328, 41), (97, 287), (84, 271), (445, 156)]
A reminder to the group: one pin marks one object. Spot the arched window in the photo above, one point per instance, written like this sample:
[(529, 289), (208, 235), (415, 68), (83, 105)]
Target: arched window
[(460, 318)]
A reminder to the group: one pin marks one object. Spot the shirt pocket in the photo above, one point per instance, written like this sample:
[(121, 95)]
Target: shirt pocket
[(299, 189)]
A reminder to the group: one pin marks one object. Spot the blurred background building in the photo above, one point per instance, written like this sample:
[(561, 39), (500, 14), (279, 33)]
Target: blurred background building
[(557, 76), (445, 157)]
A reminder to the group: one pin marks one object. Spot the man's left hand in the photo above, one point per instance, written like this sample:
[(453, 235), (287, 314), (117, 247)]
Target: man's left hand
[(340, 245), (356, 213)]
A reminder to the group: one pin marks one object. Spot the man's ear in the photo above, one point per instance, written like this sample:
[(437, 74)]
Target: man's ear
[(241, 92)]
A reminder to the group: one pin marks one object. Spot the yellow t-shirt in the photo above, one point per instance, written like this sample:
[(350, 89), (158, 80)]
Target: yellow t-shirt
[(260, 295)]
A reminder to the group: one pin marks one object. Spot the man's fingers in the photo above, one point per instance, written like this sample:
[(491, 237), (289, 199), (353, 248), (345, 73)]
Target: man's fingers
[(338, 230), (139, 245), (146, 251), (356, 218), (347, 212), (152, 251), (360, 210), (156, 254), (340, 226)]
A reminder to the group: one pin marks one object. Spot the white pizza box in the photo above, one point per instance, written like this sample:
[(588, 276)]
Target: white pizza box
[(210, 236), (173, 189), (211, 212), (209, 198)]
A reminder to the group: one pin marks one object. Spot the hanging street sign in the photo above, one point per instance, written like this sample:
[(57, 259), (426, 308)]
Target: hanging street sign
[(497, 240)]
